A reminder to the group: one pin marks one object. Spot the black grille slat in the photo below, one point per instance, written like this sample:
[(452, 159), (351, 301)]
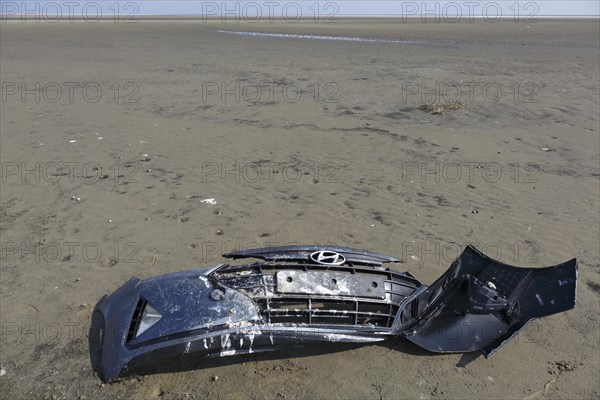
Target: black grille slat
[(318, 313), (327, 311)]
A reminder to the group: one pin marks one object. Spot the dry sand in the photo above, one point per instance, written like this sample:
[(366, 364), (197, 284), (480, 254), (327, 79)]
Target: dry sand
[(100, 186)]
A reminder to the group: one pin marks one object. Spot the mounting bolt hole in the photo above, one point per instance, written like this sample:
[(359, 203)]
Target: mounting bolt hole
[(334, 281), (217, 295), (289, 279), (374, 284)]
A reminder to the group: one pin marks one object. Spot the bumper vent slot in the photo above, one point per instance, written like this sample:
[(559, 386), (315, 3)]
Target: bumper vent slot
[(414, 309), (137, 318)]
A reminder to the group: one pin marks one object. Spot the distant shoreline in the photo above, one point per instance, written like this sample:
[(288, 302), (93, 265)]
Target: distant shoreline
[(429, 19)]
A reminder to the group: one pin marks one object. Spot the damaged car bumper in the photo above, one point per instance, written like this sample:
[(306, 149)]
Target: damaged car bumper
[(302, 294)]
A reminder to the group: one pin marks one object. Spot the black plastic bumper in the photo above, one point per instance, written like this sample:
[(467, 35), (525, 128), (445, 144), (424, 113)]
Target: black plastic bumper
[(303, 294)]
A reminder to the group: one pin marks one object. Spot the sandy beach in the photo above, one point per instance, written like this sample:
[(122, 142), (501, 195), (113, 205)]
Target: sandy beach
[(151, 147)]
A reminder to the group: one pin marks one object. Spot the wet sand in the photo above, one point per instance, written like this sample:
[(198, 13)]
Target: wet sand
[(114, 136)]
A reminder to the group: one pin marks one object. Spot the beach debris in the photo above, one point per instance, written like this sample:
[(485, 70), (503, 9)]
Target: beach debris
[(546, 148), (437, 108), (160, 315), (543, 393), (99, 137), (219, 232), (75, 198), (474, 211), (2, 371), (109, 221), (559, 367), (152, 261), (72, 141), (214, 378), (209, 201)]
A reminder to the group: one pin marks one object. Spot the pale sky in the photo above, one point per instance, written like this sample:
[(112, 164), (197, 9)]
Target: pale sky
[(312, 9)]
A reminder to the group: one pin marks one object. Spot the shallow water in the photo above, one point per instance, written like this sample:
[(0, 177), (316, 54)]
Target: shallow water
[(315, 37)]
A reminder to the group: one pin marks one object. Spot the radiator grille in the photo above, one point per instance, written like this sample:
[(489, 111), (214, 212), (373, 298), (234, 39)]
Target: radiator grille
[(258, 281)]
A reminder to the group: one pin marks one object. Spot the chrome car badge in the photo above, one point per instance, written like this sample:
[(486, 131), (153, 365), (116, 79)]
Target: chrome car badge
[(327, 258)]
